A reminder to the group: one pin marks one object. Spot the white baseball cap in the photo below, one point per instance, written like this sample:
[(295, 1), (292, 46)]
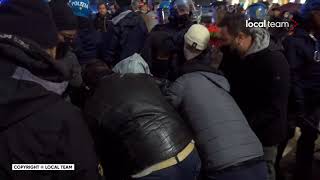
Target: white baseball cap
[(197, 36)]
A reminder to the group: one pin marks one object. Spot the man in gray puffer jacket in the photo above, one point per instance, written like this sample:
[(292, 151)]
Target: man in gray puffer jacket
[(228, 148)]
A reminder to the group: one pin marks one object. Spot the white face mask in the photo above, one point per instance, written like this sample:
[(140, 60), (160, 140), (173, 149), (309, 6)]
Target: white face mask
[(189, 55)]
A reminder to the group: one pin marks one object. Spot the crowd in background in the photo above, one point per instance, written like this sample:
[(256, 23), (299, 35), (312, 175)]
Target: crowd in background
[(135, 93)]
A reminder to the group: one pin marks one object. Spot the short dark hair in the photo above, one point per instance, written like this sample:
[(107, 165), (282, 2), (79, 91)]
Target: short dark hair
[(101, 3), (236, 23)]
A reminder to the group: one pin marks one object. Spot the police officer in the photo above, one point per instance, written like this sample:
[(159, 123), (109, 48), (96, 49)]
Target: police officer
[(179, 21)]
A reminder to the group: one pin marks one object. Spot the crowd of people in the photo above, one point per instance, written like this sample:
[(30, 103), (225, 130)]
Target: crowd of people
[(124, 97)]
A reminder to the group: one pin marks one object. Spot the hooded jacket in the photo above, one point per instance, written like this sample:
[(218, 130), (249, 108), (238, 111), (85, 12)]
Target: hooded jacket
[(134, 129), (37, 126), (124, 37), (260, 85), (222, 135), (132, 64)]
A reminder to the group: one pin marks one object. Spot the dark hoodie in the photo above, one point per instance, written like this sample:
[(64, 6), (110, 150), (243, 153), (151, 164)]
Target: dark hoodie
[(37, 126), (260, 85)]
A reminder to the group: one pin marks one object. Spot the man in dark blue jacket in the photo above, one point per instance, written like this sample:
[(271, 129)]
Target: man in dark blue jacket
[(125, 35), (302, 51)]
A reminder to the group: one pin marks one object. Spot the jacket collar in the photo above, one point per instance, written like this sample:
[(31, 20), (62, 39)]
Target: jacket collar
[(261, 40), (191, 67), (200, 63), (55, 87)]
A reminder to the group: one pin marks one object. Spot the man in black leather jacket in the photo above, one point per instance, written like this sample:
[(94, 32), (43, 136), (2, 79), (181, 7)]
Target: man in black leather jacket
[(138, 134)]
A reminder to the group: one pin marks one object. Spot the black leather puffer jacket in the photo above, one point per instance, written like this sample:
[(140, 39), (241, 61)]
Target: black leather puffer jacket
[(134, 126)]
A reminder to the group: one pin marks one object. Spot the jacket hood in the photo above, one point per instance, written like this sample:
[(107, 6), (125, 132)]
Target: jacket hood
[(120, 16), (27, 76), (202, 66), (29, 55), (56, 87), (217, 79), (261, 39), (132, 64)]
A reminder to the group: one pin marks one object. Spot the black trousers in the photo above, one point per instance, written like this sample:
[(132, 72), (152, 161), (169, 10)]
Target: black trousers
[(306, 142), (304, 154)]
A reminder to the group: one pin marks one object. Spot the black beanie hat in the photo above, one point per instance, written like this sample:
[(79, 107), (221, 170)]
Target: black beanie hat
[(30, 19), (123, 3), (63, 15)]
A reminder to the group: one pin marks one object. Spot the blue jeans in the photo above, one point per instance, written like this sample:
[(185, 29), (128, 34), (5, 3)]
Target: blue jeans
[(256, 171), (188, 169)]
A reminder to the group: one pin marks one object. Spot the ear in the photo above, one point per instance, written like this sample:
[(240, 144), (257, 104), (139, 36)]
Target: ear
[(242, 36)]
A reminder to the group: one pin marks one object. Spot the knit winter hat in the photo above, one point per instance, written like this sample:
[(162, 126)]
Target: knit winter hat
[(63, 15), (198, 37), (31, 19), (309, 6), (80, 7)]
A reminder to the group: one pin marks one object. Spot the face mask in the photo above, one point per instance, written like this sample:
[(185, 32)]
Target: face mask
[(160, 68)]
